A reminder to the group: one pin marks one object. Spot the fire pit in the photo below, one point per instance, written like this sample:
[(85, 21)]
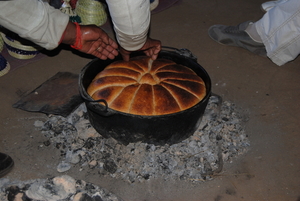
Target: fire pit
[(219, 138)]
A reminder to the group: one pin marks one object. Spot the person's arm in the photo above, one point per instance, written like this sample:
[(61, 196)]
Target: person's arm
[(33, 20), (131, 20), (90, 39), (46, 26)]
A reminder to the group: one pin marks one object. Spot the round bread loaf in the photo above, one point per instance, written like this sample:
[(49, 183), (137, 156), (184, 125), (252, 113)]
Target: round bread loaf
[(142, 86)]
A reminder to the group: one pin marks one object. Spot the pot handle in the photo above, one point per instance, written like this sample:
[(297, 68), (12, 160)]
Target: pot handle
[(96, 107), (183, 52), (100, 100)]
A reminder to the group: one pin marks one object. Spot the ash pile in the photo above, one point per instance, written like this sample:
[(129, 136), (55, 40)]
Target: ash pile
[(220, 138), (62, 188)]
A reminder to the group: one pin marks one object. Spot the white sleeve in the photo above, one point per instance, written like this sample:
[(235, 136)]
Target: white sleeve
[(34, 20), (131, 20)]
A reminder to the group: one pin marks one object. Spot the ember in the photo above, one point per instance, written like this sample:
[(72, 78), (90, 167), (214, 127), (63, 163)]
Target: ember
[(220, 137)]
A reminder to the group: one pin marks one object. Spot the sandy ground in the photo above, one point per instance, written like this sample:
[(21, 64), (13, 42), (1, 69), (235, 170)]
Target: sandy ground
[(268, 93)]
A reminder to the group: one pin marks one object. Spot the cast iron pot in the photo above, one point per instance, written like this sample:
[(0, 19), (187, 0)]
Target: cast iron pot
[(128, 128)]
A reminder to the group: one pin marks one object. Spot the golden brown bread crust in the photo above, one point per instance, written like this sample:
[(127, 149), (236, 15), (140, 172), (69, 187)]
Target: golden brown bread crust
[(145, 87)]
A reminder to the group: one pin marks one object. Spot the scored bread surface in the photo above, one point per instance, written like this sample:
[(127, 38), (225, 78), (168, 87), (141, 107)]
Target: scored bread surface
[(142, 86)]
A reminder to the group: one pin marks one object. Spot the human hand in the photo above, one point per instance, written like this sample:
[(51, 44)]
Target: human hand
[(96, 42), (91, 40), (151, 48)]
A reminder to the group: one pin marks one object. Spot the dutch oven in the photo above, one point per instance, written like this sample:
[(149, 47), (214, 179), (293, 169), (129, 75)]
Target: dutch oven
[(128, 128)]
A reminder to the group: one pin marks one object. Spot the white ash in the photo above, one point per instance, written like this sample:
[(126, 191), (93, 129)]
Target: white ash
[(220, 138), (62, 188)]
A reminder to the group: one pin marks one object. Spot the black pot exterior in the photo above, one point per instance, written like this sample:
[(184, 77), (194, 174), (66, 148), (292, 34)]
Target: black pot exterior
[(128, 128)]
